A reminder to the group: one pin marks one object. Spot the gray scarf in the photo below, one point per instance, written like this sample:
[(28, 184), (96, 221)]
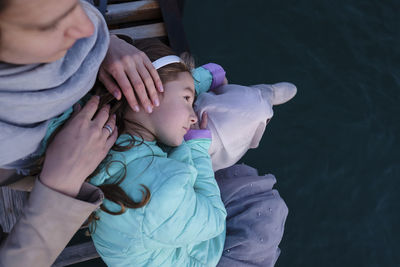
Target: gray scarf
[(31, 95)]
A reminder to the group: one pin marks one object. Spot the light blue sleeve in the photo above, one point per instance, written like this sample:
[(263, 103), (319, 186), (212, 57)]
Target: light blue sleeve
[(202, 80), (184, 212), (205, 180)]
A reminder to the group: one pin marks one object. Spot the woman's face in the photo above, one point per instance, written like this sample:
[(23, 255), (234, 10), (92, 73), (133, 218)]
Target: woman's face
[(41, 31), (173, 118)]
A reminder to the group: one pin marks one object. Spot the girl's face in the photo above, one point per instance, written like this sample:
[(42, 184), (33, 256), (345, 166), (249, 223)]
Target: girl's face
[(41, 31), (173, 118)]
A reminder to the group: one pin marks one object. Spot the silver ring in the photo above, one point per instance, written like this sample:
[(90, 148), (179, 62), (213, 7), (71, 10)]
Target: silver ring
[(108, 127)]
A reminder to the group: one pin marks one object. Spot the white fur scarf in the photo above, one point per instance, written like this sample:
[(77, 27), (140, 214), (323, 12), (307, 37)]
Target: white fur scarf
[(31, 95)]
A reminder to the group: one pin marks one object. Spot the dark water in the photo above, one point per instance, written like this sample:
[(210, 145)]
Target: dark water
[(335, 147)]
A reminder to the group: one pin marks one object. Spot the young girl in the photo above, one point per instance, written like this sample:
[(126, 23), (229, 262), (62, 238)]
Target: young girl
[(162, 203)]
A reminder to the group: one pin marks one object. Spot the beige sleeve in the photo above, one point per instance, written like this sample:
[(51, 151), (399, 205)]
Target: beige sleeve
[(49, 221)]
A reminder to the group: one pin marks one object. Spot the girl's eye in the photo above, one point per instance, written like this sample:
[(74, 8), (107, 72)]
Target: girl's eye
[(187, 98)]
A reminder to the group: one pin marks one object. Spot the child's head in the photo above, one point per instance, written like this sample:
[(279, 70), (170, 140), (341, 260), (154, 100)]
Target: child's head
[(169, 122), (172, 119)]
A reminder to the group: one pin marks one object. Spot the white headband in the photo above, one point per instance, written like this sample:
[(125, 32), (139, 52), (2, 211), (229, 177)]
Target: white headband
[(161, 62)]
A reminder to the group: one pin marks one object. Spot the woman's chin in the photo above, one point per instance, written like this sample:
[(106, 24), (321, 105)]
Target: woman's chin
[(57, 56)]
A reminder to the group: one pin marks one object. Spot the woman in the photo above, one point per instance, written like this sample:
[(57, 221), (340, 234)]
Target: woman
[(50, 52)]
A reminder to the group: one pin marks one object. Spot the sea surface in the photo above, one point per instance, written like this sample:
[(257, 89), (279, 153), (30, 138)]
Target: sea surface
[(334, 148)]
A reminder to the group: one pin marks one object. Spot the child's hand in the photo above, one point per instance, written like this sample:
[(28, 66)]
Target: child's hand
[(203, 123)]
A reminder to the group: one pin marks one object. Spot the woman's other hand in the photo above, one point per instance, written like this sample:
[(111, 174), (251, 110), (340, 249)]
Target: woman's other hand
[(128, 69), (78, 148)]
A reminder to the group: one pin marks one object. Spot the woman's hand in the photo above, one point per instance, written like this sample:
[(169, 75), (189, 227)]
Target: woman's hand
[(125, 66), (78, 148)]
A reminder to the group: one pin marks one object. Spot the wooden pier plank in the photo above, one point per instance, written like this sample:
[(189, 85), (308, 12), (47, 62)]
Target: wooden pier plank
[(133, 12), (144, 31)]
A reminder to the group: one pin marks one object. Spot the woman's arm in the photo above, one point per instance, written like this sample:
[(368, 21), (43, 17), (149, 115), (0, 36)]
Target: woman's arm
[(60, 200), (49, 220)]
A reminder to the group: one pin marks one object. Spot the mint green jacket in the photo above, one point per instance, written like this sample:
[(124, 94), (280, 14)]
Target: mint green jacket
[(184, 222)]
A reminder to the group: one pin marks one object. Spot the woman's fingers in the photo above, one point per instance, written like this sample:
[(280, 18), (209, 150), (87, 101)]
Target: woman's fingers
[(204, 120), (90, 108), (109, 83), (154, 74), (148, 81), (140, 89), (102, 116), (77, 107), (126, 87), (109, 126), (111, 139)]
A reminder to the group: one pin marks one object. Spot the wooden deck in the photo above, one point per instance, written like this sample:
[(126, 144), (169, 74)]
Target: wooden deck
[(148, 19)]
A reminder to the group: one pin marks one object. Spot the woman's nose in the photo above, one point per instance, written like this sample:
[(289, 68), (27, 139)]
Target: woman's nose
[(82, 26)]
